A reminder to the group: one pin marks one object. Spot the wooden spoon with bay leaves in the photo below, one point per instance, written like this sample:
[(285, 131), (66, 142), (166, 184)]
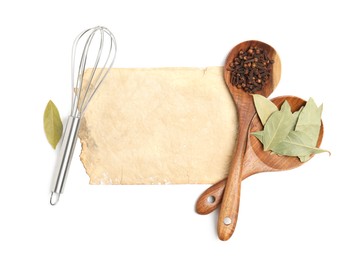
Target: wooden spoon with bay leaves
[(255, 160), (246, 110)]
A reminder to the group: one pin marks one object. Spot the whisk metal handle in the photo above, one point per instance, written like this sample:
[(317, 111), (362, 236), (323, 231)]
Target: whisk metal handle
[(65, 157)]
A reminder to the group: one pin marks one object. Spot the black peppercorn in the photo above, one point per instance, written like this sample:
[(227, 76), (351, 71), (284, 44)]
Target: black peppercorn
[(250, 69)]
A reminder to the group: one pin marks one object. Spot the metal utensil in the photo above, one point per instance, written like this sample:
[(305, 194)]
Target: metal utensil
[(91, 48)]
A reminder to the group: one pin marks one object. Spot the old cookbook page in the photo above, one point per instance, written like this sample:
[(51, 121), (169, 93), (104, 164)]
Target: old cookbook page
[(159, 126)]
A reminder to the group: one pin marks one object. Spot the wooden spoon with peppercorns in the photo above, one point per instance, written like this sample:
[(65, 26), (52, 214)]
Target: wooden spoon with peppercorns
[(251, 67)]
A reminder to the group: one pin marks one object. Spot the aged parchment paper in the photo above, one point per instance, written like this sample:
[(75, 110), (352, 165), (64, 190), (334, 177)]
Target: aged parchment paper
[(159, 126)]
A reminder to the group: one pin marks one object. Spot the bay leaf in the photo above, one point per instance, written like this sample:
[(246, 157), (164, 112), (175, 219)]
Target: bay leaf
[(293, 134), (278, 127), (296, 144), (309, 121), (264, 107), (296, 115), (304, 158), (259, 135), (52, 124)]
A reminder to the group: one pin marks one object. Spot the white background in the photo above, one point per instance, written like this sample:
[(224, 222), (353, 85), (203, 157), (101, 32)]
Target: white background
[(313, 212)]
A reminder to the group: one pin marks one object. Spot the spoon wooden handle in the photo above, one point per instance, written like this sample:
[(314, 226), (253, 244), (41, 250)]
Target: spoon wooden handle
[(231, 199), (229, 211), (211, 198)]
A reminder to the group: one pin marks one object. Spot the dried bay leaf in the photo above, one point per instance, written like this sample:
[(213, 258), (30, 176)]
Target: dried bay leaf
[(290, 134), (305, 158), (52, 124), (259, 135), (310, 113), (296, 144), (265, 108), (309, 121), (296, 115), (278, 127)]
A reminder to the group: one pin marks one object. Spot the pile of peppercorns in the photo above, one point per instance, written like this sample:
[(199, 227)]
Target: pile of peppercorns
[(250, 69)]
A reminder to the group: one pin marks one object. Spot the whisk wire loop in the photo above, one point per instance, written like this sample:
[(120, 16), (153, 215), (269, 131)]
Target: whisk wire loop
[(83, 88), (80, 80)]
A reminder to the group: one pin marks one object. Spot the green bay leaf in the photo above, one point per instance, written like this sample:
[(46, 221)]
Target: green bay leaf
[(293, 134), (278, 126), (309, 121), (259, 135), (264, 107), (52, 124), (304, 158), (297, 144), (296, 115)]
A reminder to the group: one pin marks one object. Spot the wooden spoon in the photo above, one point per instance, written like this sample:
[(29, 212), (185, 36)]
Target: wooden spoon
[(256, 160), (246, 110)]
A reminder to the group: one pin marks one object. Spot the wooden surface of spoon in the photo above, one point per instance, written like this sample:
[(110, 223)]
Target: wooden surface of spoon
[(245, 108), (256, 160)]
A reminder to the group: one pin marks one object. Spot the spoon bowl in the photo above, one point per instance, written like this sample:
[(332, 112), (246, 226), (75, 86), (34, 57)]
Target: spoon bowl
[(277, 162), (274, 78)]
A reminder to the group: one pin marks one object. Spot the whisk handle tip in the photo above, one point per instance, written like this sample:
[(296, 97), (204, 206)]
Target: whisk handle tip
[(54, 198)]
